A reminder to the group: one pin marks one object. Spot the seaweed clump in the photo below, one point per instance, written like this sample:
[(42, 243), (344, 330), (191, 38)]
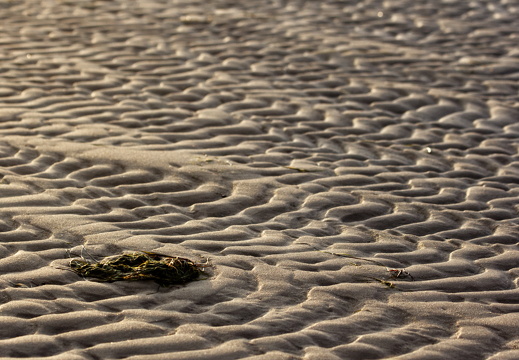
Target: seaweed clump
[(164, 270)]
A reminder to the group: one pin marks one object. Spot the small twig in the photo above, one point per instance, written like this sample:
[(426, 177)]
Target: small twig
[(353, 257), (395, 273), (296, 169), (400, 273), (83, 249), (389, 284)]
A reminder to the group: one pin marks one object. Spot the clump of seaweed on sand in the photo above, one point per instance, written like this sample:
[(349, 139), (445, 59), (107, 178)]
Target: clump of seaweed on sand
[(164, 270)]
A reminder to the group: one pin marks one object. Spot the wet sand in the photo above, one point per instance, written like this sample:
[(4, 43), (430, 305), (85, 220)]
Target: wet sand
[(348, 169)]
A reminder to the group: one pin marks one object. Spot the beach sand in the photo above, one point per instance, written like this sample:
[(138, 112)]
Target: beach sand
[(347, 170)]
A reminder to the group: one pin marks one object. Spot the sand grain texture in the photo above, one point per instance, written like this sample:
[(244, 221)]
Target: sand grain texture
[(310, 150)]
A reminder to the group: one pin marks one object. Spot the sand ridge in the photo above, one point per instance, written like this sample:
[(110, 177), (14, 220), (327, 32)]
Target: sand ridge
[(349, 170)]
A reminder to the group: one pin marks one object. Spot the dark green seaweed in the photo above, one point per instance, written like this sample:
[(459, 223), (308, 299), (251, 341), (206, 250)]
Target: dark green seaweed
[(164, 270)]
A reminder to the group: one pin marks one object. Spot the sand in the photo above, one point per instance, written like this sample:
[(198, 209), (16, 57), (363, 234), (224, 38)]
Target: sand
[(349, 169)]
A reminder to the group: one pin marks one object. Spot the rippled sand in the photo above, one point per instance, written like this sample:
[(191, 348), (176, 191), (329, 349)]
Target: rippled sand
[(349, 169)]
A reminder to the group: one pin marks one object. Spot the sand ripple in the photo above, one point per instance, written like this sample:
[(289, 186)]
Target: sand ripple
[(350, 170)]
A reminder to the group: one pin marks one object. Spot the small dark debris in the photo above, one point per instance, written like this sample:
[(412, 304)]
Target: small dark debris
[(164, 270)]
